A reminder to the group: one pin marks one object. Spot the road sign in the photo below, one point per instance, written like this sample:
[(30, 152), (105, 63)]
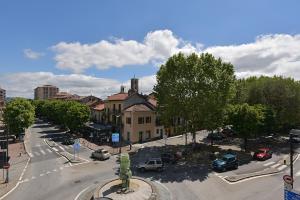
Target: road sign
[(76, 146), (6, 166), (288, 179), (115, 137), (291, 195)]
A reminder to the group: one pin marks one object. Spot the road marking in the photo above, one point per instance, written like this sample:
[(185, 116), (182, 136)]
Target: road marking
[(276, 165), (26, 180), (171, 197), (37, 153), (38, 145), (297, 174), (48, 172), (61, 168), (31, 155), (269, 163), (55, 149), (54, 170), (49, 150), (282, 167), (82, 191), (33, 177), (61, 148), (43, 152)]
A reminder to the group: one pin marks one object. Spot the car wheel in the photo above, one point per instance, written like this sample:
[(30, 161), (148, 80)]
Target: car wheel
[(236, 166), (223, 169)]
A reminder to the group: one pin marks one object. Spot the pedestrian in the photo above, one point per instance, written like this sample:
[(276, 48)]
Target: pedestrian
[(130, 145)]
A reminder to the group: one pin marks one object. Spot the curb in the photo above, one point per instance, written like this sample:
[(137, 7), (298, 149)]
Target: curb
[(64, 156)]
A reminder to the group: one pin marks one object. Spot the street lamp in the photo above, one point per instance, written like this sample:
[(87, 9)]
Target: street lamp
[(119, 124)]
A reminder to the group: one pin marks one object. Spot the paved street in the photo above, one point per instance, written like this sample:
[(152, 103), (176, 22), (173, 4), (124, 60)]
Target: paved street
[(52, 174), (58, 178)]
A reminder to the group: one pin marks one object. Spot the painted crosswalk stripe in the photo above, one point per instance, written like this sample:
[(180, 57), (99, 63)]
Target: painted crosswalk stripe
[(61, 148), (55, 149), (269, 163), (49, 150), (281, 167), (31, 155), (276, 165), (37, 153), (43, 152)]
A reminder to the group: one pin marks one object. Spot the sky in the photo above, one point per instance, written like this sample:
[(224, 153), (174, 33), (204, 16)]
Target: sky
[(94, 46)]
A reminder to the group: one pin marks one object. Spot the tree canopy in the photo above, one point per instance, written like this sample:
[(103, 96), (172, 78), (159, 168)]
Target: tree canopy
[(18, 115), (195, 88)]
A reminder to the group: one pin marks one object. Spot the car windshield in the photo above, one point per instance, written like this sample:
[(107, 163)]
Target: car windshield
[(104, 151), (224, 158), (261, 151)]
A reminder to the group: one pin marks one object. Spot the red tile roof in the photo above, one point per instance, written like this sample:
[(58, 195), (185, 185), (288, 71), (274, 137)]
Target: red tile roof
[(138, 107), (118, 97), (99, 107), (153, 101)]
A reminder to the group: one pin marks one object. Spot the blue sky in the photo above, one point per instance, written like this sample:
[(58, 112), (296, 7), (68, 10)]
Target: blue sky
[(47, 29)]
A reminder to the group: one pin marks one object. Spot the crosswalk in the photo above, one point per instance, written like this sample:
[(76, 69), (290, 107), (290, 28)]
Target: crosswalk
[(45, 151), (273, 165)]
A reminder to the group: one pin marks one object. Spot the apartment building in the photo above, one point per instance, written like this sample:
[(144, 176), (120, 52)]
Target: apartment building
[(45, 92)]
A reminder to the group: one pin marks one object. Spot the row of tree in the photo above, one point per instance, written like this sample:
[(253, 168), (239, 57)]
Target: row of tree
[(204, 92), (67, 114), (18, 115)]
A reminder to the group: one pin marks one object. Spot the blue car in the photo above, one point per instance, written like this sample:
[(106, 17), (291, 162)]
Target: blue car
[(227, 161)]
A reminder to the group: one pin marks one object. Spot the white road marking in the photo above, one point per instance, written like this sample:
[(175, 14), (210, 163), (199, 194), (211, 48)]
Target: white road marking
[(49, 150), (55, 149), (42, 174), (78, 195), (31, 155), (33, 177), (26, 180), (54, 170), (37, 153), (61, 148), (38, 145), (43, 152), (276, 165), (269, 163), (282, 167), (297, 174), (61, 168), (48, 172)]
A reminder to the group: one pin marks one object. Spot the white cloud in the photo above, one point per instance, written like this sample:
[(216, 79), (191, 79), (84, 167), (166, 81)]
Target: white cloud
[(23, 84), (268, 55), (156, 47), (28, 53)]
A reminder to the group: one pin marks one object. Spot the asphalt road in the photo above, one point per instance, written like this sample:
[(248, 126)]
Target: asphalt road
[(50, 176)]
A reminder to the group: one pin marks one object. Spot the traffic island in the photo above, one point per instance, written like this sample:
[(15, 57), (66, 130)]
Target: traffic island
[(140, 189)]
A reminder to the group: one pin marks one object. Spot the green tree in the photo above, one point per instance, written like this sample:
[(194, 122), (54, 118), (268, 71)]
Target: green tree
[(246, 120), (18, 115), (195, 88), (77, 114)]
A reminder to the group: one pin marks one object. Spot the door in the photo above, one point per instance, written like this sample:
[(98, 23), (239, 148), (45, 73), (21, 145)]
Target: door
[(140, 137)]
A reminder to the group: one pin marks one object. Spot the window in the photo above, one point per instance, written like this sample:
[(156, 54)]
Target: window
[(128, 120), (151, 162), (158, 162), (119, 107), (141, 120), (157, 131), (114, 107), (148, 120)]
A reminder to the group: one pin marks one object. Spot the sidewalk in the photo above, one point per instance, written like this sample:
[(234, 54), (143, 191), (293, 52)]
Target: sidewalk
[(111, 150), (18, 160)]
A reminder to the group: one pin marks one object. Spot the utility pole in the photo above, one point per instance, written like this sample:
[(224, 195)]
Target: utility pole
[(7, 178), (291, 158)]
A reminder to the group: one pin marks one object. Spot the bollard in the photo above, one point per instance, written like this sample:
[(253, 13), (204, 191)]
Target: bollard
[(284, 162)]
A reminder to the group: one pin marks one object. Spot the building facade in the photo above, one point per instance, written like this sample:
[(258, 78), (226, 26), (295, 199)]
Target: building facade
[(2, 97), (45, 92)]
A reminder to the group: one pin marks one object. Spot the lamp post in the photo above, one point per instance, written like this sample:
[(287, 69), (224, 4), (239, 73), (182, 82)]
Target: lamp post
[(120, 137), (7, 173)]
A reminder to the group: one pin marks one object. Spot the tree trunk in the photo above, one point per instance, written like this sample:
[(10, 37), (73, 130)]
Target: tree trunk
[(245, 144), (185, 138)]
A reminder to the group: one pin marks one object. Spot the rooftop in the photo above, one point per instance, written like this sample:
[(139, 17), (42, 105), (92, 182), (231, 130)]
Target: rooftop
[(138, 108), (117, 97)]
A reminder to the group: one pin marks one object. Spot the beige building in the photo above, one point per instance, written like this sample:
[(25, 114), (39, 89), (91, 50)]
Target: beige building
[(113, 108), (140, 124), (2, 97), (45, 92), (97, 113)]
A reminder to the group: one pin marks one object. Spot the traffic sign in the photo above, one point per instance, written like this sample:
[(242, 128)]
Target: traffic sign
[(115, 137), (6, 166), (288, 179), (291, 195)]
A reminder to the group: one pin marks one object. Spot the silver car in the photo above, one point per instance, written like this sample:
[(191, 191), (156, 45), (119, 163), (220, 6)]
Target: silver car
[(101, 154)]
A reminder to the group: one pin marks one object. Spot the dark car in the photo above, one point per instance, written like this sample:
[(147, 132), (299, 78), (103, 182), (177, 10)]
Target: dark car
[(68, 141), (228, 131), (169, 158), (227, 161), (262, 154), (216, 136)]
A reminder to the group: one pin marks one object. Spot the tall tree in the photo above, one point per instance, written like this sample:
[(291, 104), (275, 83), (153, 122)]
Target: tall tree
[(77, 114), (18, 115), (195, 88)]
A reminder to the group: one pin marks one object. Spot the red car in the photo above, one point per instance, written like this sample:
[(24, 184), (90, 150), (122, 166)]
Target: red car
[(262, 154)]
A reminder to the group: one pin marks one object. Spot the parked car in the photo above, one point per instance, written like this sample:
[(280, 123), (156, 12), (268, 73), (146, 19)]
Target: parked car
[(228, 131), (216, 136), (101, 154), (227, 161), (169, 158), (151, 164), (262, 154)]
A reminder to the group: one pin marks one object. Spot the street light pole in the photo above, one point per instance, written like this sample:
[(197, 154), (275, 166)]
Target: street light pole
[(7, 178), (291, 158)]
